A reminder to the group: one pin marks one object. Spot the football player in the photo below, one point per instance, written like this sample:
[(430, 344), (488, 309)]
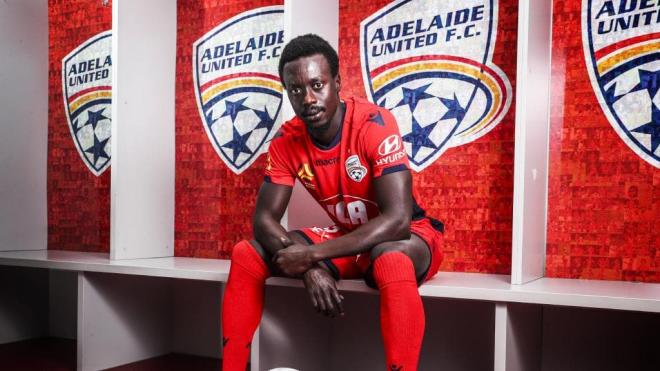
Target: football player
[(350, 157)]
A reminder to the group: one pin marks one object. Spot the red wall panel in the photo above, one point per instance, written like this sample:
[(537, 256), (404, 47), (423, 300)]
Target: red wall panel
[(469, 187), (213, 204), (602, 197), (78, 200)]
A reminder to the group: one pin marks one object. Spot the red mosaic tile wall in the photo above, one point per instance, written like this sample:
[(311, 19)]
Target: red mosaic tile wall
[(78, 201), (469, 187), (603, 199), (213, 205)]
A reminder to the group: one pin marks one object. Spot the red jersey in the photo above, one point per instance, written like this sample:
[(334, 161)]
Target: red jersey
[(340, 176)]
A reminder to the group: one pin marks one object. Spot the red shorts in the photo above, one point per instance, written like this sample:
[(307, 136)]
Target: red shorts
[(359, 266)]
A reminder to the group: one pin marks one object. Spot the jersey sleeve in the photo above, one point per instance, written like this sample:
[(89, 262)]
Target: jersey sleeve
[(278, 170), (383, 144)]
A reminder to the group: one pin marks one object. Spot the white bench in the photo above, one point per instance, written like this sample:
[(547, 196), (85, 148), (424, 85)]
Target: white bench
[(494, 324)]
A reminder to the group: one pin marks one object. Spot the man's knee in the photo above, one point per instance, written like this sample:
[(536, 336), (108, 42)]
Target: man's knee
[(245, 250), (386, 247), (415, 249)]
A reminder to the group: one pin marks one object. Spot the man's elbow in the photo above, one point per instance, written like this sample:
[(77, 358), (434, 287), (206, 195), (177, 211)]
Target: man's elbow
[(400, 228), (258, 223)]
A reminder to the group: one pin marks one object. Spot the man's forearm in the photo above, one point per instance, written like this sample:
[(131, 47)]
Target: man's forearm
[(378, 230), (269, 233)]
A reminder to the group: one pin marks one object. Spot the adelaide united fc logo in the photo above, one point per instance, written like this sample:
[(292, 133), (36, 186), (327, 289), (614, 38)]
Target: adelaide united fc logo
[(87, 92), (621, 40), (239, 94), (430, 63)]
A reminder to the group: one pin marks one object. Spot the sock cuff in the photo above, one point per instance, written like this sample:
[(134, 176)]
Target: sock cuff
[(245, 256), (393, 267)]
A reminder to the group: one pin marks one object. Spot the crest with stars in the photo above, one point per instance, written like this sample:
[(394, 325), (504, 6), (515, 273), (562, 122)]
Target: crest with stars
[(239, 95), (87, 92), (438, 81), (624, 69)]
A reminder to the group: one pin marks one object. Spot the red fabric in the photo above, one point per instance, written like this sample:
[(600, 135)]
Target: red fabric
[(365, 133), (208, 219), (344, 267), (242, 305), (351, 267), (602, 198), (470, 187), (78, 201), (365, 127), (401, 311)]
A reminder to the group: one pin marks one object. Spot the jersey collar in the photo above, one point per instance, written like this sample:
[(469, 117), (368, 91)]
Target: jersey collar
[(337, 137)]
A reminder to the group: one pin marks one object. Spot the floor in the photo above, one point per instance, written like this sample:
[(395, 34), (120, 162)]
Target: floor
[(47, 354), (53, 354)]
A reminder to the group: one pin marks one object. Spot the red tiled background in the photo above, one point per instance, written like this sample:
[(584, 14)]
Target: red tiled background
[(213, 205), (473, 200), (469, 187), (603, 199), (78, 201), (601, 195)]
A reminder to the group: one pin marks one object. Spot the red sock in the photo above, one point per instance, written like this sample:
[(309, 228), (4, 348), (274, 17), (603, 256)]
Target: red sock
[(242, 305), (401, 311)]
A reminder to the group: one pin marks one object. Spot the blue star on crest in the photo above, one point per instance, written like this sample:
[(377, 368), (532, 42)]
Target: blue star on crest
[(412, 96), (98, 149), (93, 117), (209, 118), (233, 108), (648, 80), (419, 137), (454, 109), (238, 144), (610, 95), (265, 121), (652, 128)]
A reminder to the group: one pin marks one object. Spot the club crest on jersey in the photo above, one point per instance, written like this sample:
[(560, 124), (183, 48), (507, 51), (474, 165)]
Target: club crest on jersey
[(87, 93), (239, 94), (354, 168), (621, 40), (430, 63)]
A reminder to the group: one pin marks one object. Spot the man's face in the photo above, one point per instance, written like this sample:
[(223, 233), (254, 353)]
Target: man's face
[(312, 90)]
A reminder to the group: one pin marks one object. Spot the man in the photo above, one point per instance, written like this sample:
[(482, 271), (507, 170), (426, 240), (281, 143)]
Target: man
[(350, 157)]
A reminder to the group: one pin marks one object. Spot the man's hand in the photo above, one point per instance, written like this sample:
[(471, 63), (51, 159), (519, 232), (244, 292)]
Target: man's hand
[(323, 292), (293, 260)]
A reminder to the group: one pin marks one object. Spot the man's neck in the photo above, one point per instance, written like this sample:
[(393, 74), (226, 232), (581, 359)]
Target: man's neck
[(326, 137)]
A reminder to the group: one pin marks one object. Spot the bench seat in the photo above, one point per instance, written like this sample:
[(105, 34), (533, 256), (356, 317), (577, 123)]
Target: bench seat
[(633, 296)]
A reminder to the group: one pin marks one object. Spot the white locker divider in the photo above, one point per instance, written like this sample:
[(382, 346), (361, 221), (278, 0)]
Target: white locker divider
[(303, 211), (142, 179), (23, 124), (530, 181)]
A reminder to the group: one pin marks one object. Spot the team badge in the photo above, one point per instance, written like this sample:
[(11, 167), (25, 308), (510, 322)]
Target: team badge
[(430, 63), (239, 94), (87, 92), (621, 42), (355, 169)]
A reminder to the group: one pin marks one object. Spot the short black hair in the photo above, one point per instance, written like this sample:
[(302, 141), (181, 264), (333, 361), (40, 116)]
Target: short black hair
[(305, 46)]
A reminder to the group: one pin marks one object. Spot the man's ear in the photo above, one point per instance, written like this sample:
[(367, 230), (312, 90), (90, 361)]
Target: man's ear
[(338, 82)]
